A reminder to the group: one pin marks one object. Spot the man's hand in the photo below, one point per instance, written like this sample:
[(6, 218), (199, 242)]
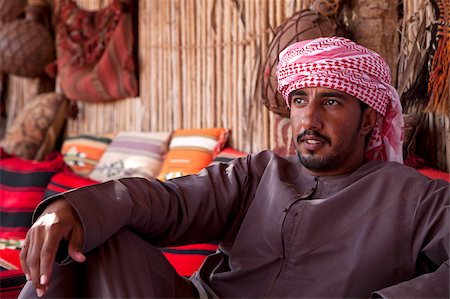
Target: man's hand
[(58, 221)]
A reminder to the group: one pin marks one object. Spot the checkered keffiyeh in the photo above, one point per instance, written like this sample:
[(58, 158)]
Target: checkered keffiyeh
[(341, 64)]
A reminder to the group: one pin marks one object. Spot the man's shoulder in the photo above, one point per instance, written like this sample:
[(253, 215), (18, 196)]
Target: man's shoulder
[(394, 170), (269, 156), (268, 159), (263, 155)]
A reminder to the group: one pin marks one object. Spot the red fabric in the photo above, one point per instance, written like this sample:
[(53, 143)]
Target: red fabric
[(228, 154), (66, 180), (11, 256), (187, 259), (11, 281), (231, 153), (22, 186), (434, 173)]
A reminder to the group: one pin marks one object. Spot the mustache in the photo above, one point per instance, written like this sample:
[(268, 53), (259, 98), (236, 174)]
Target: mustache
[(313, 133)]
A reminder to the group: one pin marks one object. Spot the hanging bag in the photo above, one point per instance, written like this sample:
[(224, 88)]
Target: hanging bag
[(95, 60), (10, 10)]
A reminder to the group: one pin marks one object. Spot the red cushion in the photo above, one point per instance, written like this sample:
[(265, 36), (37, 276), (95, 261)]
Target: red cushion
[(12, 279), (434, 173), (12, 282), (227, 155), (66, 180), (22, 186), (187, 259)]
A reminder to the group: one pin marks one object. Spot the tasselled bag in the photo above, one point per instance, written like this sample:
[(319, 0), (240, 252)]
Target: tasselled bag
[(95, 58)]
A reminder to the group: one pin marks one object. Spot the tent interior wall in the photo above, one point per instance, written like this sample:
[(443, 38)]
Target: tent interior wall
[(198, 67)]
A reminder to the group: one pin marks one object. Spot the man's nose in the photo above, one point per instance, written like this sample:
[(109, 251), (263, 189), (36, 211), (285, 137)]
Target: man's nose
[(311, 118)]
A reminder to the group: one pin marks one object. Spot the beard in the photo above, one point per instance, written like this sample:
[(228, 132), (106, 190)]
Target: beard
[(341, 150)]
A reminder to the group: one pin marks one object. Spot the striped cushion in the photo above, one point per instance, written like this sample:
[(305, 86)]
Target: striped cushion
[(227, 155), (12, 278), (83, 152), (138, 154), (187, 259), (191, 150), (66, 180), (11, 283), (22, 186), (435, 173)]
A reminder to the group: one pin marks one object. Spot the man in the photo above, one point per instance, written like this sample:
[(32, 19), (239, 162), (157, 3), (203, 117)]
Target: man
[(340, 219)]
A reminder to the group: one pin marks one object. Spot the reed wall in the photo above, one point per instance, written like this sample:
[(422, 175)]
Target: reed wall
[(198, 62)]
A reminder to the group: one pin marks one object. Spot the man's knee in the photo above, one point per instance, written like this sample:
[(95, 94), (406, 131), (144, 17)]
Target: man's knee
[(132, 267)]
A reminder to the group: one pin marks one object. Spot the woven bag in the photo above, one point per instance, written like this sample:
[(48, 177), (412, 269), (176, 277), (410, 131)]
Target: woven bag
[(26, 45), (11, 9), (303, 25), (96, 61)]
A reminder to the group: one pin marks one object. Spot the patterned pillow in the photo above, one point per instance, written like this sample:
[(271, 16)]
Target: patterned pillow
[(138, 154), (34, 131), (191, 150), (22, 186), (83, 152), (227, 155)]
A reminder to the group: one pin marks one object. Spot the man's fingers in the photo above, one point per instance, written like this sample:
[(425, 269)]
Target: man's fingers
[(41, 245), (76, 244), (32, 259), (58, 221), (23, 259), (47, 256)]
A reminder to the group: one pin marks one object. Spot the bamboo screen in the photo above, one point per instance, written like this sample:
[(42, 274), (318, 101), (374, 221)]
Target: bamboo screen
[(198, 64)]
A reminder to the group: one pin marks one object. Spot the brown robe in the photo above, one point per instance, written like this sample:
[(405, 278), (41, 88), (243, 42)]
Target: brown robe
[(382, 230)]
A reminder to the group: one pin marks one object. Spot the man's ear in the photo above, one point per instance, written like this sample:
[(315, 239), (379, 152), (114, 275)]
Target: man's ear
[(368, 121)]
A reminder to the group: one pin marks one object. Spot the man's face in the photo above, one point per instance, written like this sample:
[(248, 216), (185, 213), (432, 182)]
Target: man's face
[(329, 130)]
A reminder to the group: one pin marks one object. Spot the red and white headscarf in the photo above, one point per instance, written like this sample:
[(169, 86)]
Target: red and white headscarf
[(341, 64)]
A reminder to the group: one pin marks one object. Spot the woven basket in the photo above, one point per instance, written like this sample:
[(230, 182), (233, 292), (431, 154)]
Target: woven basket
[(303, 25), (26, 45)]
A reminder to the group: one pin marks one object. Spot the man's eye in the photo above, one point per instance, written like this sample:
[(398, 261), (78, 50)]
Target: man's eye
[(331, 102), (298, 101)]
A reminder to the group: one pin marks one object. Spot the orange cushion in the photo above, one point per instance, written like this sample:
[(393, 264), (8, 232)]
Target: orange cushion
[(83, 152), (191, 150)]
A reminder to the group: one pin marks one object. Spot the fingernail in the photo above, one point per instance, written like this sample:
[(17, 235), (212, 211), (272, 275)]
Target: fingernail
[(43, 280), (39, 292), (27, 276)]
